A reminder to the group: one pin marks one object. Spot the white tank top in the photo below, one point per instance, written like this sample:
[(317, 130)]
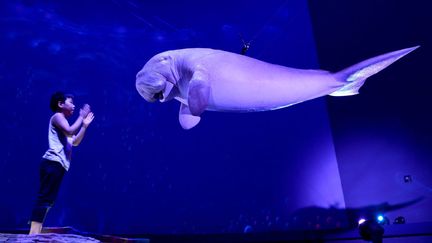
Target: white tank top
[(60, 146)]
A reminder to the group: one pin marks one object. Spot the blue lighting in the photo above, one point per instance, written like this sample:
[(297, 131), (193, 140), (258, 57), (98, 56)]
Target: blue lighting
[(380, 218)]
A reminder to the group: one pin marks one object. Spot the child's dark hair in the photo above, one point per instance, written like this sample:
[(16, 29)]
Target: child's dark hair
[(58, 97)]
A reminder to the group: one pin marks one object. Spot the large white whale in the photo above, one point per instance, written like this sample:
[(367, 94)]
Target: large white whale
[(206, 79)]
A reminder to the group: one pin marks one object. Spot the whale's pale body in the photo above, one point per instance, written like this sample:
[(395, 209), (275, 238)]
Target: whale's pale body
[(206, 79)]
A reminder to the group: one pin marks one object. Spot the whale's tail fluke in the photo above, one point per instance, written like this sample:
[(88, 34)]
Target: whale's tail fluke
[(356, 75)]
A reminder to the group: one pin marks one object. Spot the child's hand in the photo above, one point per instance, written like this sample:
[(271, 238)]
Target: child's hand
[(85, 110), (88, 119)]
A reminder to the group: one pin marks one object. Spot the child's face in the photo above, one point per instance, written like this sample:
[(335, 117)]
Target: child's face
[(68, 107)]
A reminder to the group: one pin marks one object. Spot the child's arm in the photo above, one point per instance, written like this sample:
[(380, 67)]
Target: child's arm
[(86, 122), (59, 121)]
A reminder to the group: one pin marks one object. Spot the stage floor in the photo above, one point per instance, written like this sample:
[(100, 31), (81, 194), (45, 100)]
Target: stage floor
[(403, 233)]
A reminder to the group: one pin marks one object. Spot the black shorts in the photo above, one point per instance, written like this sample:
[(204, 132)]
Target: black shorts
[(51, 176)]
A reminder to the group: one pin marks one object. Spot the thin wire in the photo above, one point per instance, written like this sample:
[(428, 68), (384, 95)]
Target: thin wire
[(133, 13), (246, 45)]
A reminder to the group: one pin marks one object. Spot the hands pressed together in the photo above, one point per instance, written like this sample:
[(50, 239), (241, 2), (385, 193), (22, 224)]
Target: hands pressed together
[(87, 115)]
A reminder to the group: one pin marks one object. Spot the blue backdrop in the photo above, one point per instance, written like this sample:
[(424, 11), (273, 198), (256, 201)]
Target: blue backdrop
[(137, 171)]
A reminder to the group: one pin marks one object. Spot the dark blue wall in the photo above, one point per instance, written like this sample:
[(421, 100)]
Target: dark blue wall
[(137, 171), (384, 133)]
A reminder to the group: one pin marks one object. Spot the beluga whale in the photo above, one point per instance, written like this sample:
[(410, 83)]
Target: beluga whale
[(214, 80)]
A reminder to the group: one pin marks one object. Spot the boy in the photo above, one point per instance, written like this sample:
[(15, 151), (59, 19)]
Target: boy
[(56, 160)]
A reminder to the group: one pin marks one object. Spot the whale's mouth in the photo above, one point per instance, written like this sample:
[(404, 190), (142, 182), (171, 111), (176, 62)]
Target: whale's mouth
[(154, 87), (158, 96), (165, 94)]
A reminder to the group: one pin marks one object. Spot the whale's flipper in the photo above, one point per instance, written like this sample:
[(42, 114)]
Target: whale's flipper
[(356, 75), (197, 101), (186, 119), (198, 95)]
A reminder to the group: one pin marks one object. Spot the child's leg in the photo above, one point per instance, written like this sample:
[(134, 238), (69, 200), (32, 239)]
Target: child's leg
[(35, 228), (51, 175)]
